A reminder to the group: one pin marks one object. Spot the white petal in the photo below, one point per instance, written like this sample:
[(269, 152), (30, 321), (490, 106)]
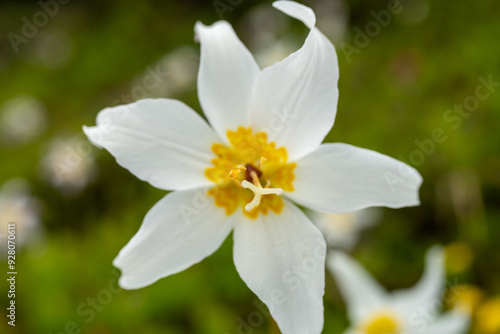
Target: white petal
[(361, 293), (281, 257), (298, 11), (161, 141), (453, 322), (342, 178), (180, 230), (295, 100), (429, 289), (225, 78)]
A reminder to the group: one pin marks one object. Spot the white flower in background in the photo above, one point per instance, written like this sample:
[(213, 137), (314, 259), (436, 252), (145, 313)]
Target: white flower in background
[(68, 164), (262, 152), (275, 52), (373, 310), (172, 74), (53, 49), (261, 26), (181, 66), (333, 18), (22, 119), (342, 230), (18, 206)]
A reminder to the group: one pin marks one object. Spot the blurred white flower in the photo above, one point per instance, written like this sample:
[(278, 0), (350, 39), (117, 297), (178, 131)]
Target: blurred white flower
[(172, 74), (22, 119), (333, 18), (18, 206), (181, 66), (52, 49), (68, 164), (261, 25), (342, 230), (264, 141), (373, 310), (275, 52)]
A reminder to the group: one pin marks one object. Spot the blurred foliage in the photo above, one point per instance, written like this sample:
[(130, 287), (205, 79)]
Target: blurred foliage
[(395, 92)]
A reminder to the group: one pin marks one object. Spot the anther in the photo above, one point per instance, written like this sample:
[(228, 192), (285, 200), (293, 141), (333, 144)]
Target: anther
[(234, 173)]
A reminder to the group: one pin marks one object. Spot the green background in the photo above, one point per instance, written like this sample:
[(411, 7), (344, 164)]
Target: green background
[(393, 93)]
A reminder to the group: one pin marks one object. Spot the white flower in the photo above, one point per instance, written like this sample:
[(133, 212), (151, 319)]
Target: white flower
[(68, 164), (18, 206), (52, 49), (173, 74), (372, 310), (342, 230), (265, 141), (22, 119)]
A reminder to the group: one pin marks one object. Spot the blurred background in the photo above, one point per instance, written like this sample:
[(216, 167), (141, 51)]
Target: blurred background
[(422, 87)]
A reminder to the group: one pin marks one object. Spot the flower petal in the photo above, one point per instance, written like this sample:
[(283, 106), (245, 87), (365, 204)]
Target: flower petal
[(342, 178), (429, 289), (225, 78), (281, 258), (299, 94), (297, 11), (180, 230), (161, 141), (361, 292), (452, 322)]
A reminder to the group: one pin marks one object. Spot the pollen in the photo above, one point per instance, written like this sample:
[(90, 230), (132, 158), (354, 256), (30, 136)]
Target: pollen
[(241, 168)]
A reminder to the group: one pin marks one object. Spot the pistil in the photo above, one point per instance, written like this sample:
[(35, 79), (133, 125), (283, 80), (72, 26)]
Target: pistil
[(258, 191)]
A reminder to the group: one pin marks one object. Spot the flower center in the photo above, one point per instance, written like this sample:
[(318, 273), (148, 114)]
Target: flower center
[(487, 316), (241, 169), (383, 323)]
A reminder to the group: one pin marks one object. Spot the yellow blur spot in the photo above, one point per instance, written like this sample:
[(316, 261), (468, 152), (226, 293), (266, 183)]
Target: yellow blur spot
[(459, 257), (228, 172), (466, 298), (488, 316), (382, 323)]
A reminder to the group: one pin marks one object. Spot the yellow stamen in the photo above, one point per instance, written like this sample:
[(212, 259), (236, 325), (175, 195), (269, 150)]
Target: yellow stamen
[(249, 152), (234, 173)]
